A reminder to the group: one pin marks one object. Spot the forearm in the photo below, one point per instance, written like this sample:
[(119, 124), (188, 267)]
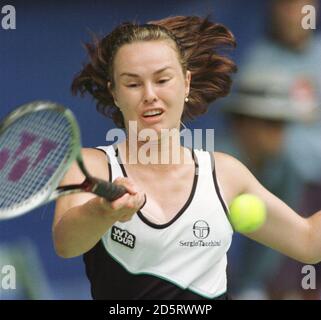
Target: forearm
[(314, 241), (79, 229)]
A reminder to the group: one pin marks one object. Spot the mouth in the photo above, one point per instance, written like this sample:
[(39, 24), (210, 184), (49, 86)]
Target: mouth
[(152, 116)]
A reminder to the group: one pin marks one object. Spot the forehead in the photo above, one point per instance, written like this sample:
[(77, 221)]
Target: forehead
[(145, 55)]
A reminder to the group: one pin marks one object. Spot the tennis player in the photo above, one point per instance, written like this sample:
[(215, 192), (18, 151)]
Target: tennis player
[(174, 245)]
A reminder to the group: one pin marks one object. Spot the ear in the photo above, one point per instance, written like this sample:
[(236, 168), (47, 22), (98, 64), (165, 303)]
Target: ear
[(110, 89), (187, 82)]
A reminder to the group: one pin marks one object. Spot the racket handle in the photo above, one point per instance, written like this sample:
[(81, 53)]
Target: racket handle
[(108, 190)]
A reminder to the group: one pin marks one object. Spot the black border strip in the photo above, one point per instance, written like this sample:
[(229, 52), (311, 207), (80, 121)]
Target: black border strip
[(109, 165), (216, 183)]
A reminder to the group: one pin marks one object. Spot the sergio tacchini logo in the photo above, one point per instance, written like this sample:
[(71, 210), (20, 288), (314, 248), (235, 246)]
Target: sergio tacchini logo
[(201, 229)]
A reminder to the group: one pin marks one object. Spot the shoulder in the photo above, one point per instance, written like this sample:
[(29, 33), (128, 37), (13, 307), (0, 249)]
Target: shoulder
[(96, 162), (93, 154), (231, 174), (222, 160), (225, 161)]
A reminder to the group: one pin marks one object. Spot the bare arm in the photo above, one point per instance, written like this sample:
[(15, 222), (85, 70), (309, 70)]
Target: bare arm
[(82, 219), (284, 229)]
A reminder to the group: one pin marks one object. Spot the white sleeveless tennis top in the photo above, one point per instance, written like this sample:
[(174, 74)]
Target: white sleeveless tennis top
[(184, 258)]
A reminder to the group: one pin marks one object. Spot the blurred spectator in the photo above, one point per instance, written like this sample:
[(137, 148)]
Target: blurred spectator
[(260, 110), (292, 50), (293, 172)]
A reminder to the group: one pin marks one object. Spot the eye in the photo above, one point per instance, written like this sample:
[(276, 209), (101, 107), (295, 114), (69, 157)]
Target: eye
[(132, 85), (163, 80)]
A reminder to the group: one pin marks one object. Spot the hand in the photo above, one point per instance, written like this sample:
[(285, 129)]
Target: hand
[(123, 208)]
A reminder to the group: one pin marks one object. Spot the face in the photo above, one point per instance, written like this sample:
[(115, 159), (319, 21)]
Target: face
[(149, 84)]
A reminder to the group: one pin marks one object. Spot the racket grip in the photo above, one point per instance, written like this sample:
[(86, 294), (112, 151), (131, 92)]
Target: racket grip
[(108, 190)]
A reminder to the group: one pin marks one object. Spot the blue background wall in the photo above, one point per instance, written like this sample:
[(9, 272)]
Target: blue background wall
[(38, 61)]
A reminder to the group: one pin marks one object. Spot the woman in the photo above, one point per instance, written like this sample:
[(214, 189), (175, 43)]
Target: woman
[(174, 245)]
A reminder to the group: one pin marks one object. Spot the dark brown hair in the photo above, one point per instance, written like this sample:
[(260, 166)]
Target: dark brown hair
[(197, 41)]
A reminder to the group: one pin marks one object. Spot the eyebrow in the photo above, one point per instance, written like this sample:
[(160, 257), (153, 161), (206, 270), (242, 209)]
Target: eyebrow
[(136, 75)]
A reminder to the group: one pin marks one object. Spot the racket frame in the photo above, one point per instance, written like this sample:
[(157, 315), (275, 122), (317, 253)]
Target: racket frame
[(49, 192)]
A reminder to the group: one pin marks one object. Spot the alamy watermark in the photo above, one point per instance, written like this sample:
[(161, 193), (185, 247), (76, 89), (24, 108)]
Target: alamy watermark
[(148, 146), (7, 277), (309, 19), (8, 17), (309, 281)]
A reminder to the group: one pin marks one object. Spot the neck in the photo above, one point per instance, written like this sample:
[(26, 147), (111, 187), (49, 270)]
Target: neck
[(162, 154)]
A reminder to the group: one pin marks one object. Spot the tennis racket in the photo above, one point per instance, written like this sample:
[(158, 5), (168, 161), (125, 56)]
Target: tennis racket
[(38, 143)]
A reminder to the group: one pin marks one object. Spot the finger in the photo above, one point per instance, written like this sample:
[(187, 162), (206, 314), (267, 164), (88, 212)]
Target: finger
[(135, 202), (127, 183), (120, 202), (100, 203)]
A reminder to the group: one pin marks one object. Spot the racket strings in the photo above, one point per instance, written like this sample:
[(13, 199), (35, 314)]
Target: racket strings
[(31, 151)]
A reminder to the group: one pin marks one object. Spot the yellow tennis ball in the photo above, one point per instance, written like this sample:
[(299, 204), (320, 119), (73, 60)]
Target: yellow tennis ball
[(247, 213)]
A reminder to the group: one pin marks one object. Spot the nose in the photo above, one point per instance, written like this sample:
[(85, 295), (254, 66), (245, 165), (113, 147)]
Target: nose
[(150, 95)]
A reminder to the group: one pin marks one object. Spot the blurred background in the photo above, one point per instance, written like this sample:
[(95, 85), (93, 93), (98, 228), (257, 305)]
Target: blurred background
[(270, 121)]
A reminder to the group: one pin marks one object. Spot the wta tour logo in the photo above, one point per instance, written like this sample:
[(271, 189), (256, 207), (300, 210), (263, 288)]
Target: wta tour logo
[(123, 237)]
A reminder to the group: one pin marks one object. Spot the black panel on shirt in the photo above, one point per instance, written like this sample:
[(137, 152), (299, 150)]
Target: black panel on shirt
[(110, 281)]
